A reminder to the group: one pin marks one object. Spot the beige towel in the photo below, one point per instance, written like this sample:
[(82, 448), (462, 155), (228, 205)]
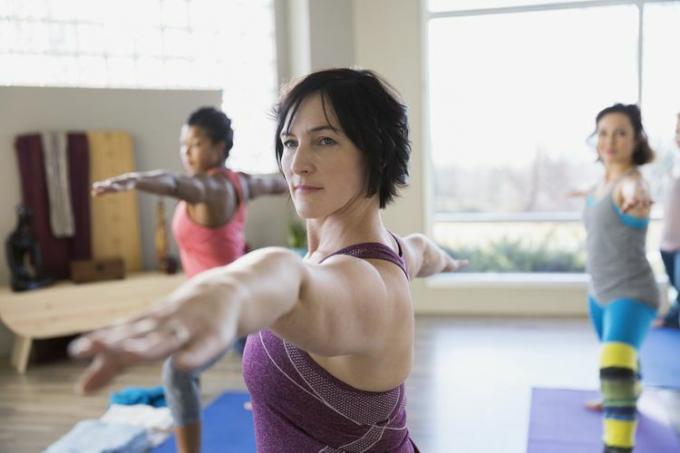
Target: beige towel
[(115, 217), (57, 181)]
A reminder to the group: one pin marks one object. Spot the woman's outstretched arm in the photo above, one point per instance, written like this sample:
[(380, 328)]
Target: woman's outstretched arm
[(192, 189), (200, 319), (263, 184), (318, 307), (426, 258)]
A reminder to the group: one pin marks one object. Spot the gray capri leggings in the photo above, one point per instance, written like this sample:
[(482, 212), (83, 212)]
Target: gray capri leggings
[(183, 388), (183, 392)]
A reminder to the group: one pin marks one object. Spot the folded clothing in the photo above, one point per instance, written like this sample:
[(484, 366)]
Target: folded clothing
[(151, 396), (157, 421), (95, 436)]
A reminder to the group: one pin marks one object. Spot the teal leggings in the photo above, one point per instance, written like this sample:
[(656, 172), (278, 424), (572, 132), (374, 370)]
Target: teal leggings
[(623, 320)]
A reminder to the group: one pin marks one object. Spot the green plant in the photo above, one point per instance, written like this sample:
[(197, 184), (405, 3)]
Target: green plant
[(297, 235), (516, 255)]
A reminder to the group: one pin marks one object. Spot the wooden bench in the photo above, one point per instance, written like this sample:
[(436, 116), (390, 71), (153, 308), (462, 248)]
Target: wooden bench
[(67, 308)]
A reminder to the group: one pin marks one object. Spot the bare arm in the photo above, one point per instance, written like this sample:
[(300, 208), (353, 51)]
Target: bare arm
[(577, 193), (581, 192), (193, 189), (317, 307), (427, 258), (258, 185)]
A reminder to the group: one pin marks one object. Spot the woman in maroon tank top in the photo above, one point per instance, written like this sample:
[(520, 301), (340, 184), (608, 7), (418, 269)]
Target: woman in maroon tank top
[(332, 334)]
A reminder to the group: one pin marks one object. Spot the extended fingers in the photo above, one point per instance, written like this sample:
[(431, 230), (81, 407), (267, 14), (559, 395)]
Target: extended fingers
[(636, 203), (99, 373), (453, 265), (199, 352)]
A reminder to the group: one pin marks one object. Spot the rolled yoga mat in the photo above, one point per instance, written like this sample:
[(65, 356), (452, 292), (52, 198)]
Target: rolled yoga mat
[(559, 423), (227, 427)]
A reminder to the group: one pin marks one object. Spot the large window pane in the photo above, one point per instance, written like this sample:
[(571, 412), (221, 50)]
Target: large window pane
[(513, 99), (661, 88)]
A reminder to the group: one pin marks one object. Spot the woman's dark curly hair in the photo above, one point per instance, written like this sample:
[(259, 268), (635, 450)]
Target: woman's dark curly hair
[(371, 115), (643, 153), (216, 125)]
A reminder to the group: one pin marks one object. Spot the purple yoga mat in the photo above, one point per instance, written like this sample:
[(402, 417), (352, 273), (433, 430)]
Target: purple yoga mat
[(560, 424)]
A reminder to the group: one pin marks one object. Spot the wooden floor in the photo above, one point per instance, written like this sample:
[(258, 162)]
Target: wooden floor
[(469, 390)]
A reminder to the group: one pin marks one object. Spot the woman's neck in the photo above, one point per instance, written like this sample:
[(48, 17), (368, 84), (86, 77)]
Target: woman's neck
[(615, 171), (361, 223)]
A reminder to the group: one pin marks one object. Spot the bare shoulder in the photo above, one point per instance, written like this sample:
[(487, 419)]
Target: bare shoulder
[(214, 194), (380, 289), (346, 306), (413, 247), (218, 185), (378, 282)]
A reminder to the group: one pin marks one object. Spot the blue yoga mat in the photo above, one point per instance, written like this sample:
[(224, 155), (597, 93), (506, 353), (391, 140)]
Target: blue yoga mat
[(227, 427), (559, 423), (660, 358)]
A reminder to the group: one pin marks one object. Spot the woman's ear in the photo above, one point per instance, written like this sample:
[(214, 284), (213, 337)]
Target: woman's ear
[(222, 150)]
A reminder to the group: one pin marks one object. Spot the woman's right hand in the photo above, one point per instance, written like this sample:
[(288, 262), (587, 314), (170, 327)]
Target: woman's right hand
[(120, 183), (194, 324)]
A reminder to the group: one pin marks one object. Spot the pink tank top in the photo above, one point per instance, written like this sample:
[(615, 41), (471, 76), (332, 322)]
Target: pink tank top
[(202, 247), (299, 407)]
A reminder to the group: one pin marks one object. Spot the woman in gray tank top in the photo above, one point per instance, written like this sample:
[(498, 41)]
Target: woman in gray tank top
[(623, 296)]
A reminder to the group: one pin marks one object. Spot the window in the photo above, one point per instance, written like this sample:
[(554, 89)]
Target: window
[(514, 87), (183, 44), (661, 86)]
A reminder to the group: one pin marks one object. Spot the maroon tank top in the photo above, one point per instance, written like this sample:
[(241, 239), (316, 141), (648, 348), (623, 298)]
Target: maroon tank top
[(299, 407)]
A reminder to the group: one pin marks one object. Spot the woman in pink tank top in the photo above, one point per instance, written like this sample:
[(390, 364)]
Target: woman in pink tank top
[(332, 336), (208, 228)]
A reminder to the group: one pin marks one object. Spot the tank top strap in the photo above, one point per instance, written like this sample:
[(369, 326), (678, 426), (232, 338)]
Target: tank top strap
[(375, 251)]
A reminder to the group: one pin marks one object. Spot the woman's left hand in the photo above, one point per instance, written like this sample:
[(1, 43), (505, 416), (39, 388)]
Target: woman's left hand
[(635, 196), (454, 265)]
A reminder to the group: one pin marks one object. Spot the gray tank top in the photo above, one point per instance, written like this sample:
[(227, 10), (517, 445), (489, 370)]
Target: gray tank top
[(616, 254)]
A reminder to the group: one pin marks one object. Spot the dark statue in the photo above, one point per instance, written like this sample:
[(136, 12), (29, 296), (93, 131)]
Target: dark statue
[(23, 255)]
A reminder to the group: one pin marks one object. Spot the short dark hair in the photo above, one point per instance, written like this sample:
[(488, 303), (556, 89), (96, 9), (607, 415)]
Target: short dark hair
[(371, 115), (643, 153), (216, 125)]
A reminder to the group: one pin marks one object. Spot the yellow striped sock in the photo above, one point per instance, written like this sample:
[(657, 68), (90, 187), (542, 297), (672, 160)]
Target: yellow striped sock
[(621, 355), (619, 433)]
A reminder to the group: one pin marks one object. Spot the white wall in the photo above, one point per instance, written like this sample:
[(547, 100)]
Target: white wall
[(331, 34), (314, 35), (387, 39), (152, 117)]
